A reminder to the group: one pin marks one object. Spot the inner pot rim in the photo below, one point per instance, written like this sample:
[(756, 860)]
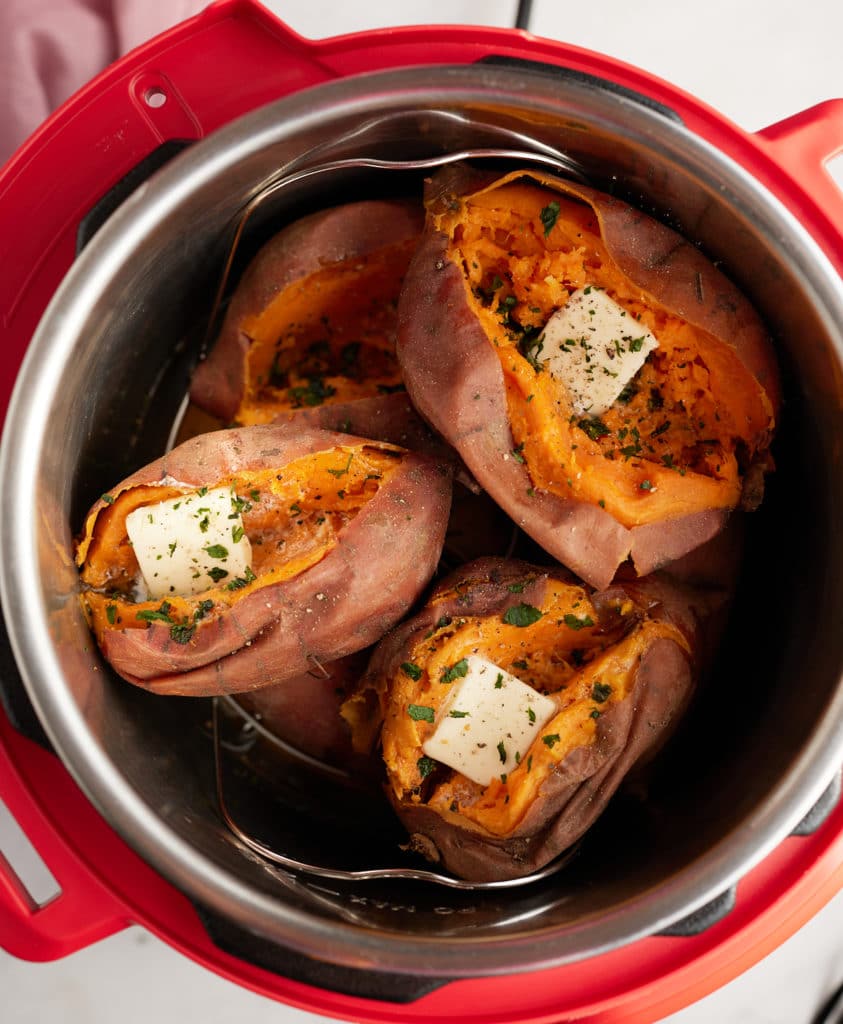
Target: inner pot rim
[(22, 450)]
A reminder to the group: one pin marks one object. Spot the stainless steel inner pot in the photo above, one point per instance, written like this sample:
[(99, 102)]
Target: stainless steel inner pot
[(102, 385)]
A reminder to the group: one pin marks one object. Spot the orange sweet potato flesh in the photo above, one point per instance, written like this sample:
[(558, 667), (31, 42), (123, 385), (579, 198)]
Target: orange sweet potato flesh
[(687, 441), (312, 321), (620, 665), (345, 534)]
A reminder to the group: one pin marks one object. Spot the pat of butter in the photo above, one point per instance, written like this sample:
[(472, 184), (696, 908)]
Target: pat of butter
[(188, 544), (594, 347), (488, 722)]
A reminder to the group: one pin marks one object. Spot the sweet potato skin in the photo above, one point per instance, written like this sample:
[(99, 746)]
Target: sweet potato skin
[(304, 711), (455, 379), (578, 789), (389, 418), (308, 245), (343, 603)]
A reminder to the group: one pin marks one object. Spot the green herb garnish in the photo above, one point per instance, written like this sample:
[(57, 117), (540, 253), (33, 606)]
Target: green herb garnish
[(342, 472), (160, 614), (522, 615), (456, 671), (314, 393), (600, 692), (420, 713), (548, 216), (411, 670), (594, 428), (182, 632)]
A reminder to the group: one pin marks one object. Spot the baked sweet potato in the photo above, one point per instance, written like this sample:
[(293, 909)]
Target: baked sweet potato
[(304, 711), (313, 318), (683, 443), (344, 534), (614, 670)]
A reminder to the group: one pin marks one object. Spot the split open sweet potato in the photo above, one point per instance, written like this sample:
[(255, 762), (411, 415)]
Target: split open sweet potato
[(344, 534), (681, 445), (618, 667), (312, 320)]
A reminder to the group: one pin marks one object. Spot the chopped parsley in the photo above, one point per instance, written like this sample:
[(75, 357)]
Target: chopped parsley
[(216, 551), (551, 740), (548, 216), (594, 428), (241, 581), (456, 671), (411, 670), (420, 712), (458, 714), (314, 393), (240, 505), (502, 752), (182, 632), (342, 472), (111, 613), (522, 615), (600, 692), (160, 614), (425, 765), (217, 574), (628, 393)]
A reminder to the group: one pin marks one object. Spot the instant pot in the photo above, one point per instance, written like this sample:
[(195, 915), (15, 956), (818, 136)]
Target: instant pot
[(117, 219)]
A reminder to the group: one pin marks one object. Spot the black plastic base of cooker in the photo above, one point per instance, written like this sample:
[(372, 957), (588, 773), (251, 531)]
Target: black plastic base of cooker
[(350, 981)]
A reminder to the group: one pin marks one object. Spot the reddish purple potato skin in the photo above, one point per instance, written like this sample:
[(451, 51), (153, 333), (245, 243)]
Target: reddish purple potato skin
[(382, 561), (633, 730), (304, 711)]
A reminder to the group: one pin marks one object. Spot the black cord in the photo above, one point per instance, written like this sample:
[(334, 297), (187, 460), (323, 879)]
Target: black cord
[(522, 15), (831, 1012)]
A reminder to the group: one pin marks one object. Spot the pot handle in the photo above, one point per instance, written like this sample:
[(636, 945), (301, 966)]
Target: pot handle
[(83, 911), (803, 145)]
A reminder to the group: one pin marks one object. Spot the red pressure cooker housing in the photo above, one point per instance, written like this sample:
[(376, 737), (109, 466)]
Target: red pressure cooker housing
[(231, 59)]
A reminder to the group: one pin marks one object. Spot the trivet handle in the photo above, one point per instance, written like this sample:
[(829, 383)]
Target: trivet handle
[(83, 911)]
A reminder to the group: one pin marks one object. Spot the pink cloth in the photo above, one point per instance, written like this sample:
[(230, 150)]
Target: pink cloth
[(50, 48)]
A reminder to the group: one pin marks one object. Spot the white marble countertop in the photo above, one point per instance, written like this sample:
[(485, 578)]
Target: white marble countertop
[(756, 62)]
